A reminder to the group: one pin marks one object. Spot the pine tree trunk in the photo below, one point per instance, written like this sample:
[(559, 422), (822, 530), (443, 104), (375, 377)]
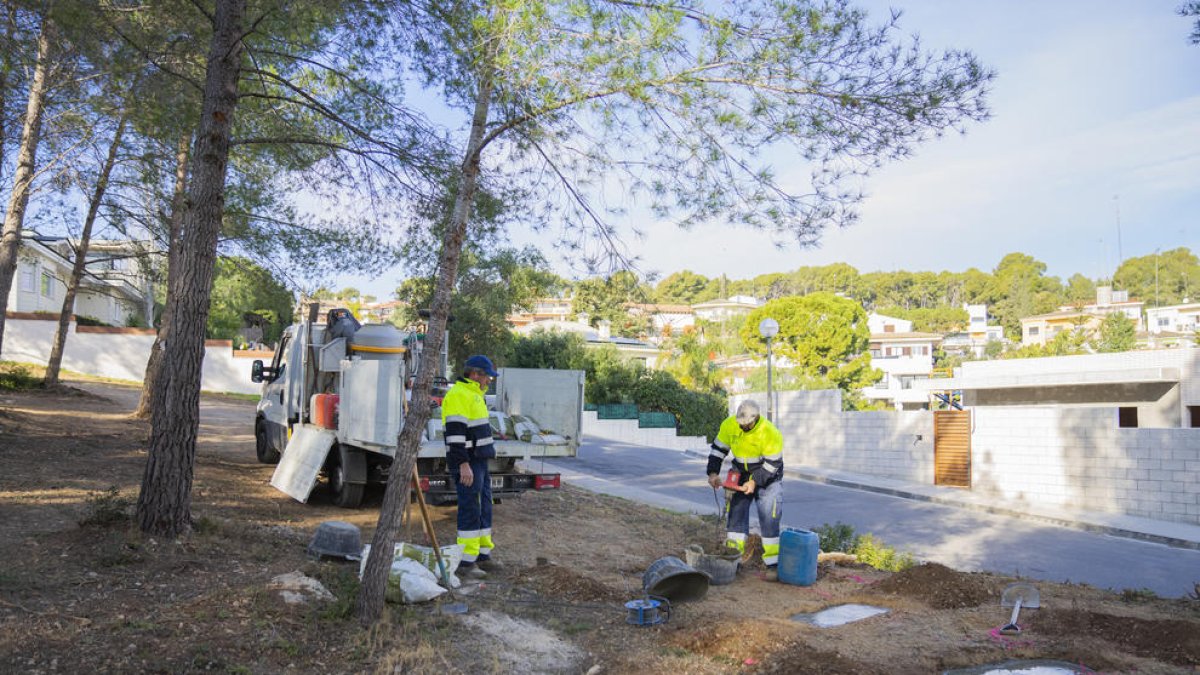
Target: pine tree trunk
[(6, 67), (164, 504), (178, 205), (379, 562), (85, 238), (31, 133)]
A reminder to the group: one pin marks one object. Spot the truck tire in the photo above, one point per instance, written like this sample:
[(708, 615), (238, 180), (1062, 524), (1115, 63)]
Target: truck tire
[(267, 454), (347, 464)]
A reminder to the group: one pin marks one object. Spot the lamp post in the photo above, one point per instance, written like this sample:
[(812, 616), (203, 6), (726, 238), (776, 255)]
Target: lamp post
[(769, 328), (1156, 257)]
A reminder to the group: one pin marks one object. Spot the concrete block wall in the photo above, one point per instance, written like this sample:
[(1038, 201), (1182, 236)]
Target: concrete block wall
[(121, 354), (1078, 458), (818, 433), (627, 431)]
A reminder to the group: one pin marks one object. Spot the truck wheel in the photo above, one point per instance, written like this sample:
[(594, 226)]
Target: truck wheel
[(262, 444), (346, 462)]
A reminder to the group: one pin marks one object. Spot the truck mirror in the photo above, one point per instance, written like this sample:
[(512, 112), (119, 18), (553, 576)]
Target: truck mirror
[(256, 371)]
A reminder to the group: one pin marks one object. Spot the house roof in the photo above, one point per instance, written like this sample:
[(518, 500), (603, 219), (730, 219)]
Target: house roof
[(660, 308), (905, 337)]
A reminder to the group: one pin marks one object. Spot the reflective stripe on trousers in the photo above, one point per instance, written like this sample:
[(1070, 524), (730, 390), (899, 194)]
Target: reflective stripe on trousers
[(769, 501)]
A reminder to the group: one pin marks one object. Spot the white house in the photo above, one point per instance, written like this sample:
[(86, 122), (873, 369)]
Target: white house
[(717, 310), (905, 358), (113, 289), (1183, 318), (665, 320)]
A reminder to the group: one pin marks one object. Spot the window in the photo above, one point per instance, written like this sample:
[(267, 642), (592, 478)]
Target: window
[(47, 285), (1194, 410), (1127, 417), (1033, 331), (908, 351), (1163, 322), (889, 328), (28, 277)]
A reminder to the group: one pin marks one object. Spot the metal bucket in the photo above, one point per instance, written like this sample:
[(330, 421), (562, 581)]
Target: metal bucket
[(721, 569), (675, 580)]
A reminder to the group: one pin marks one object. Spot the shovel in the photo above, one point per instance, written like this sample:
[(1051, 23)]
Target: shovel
[(1018, 595), (456, 607)]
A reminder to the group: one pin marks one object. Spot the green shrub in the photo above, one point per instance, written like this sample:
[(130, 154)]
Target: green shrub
[(698, 413), (838, 537), (85, 320), (16, 377), (106, 508), (875, 553)]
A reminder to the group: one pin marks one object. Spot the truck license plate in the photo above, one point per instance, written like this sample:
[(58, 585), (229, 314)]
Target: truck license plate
[(497, 481)]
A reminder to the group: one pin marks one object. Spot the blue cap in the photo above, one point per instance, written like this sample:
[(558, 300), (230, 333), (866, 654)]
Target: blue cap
[(483, 363)]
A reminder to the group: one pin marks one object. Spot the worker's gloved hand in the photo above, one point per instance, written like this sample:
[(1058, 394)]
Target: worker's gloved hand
[(465, 476), (748, 488), (714, 480)]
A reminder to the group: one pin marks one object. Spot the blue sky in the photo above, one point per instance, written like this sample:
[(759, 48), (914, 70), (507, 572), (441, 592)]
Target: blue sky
[(1096, 109)]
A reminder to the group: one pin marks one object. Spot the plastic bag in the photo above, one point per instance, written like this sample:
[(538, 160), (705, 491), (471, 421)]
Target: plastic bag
[(451, 555), (409, 582)]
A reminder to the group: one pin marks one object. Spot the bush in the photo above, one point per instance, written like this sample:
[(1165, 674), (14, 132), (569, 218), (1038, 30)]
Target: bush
[(698, 413), (107, 508), (16, 377), (85, 320), (836, 538), (840, 537)]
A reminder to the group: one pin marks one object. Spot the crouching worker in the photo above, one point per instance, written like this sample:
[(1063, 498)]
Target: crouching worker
[(757, 449), (468, 449)]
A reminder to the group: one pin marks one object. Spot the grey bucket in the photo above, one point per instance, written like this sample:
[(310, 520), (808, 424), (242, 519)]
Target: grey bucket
[(675, 580), (721, 569), (337, 539)]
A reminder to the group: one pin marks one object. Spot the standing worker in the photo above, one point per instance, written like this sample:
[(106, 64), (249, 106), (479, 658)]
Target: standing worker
[(758, 459), (468, 449)]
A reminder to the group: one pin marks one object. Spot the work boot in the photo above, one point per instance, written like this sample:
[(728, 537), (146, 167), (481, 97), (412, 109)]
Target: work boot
[(772, 573), (471, 572), (489, 565)]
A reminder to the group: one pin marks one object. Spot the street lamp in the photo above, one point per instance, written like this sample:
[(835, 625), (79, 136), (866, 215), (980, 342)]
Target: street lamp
[(769, 328)]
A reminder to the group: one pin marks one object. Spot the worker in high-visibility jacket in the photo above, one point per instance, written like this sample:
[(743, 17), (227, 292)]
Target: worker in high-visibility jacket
[(468, 449), (757, 448)]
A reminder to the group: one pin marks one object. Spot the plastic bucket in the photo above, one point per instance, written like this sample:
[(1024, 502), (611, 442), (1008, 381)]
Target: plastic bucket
[(675, 580), (721, 569), (798, 551)]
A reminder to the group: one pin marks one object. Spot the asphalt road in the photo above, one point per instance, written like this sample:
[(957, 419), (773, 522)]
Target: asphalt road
[(961, 538)]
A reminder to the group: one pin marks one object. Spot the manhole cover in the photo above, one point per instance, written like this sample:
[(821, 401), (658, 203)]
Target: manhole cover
[(1025, 667), (836, 616)]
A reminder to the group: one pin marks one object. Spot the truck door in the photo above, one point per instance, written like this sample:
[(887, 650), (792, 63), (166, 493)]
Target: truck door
[(273, 406)]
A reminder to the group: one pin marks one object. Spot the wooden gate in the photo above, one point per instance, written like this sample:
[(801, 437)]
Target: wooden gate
[(952, 448)]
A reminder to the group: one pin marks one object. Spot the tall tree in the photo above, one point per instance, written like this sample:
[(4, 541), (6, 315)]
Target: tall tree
[(81, 252), (686, 287), (1118, 333), (824, 335), (31, 136), (242, 287), (673, 103), (164, 503)]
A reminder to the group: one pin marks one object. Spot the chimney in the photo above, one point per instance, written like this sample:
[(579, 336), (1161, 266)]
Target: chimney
[(1104, 295), (605, 327)]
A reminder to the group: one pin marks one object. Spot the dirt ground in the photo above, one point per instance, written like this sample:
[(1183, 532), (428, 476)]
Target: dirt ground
[(81, 589)]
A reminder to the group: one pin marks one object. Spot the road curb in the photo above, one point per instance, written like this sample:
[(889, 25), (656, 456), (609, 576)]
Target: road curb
[(1062, 521)]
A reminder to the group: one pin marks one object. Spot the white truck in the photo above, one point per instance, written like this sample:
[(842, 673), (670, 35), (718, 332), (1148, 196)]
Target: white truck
[(333, 405)]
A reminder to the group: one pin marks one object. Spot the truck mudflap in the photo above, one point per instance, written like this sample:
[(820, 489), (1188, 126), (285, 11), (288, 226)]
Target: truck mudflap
[(440, 488)]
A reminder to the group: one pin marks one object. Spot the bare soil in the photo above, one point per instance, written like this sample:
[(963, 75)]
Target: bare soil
[(82, 590)]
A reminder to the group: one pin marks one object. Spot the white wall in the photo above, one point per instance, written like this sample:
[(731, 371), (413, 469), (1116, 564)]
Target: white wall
[(817, 433), (120, 354), (1078, 458)]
